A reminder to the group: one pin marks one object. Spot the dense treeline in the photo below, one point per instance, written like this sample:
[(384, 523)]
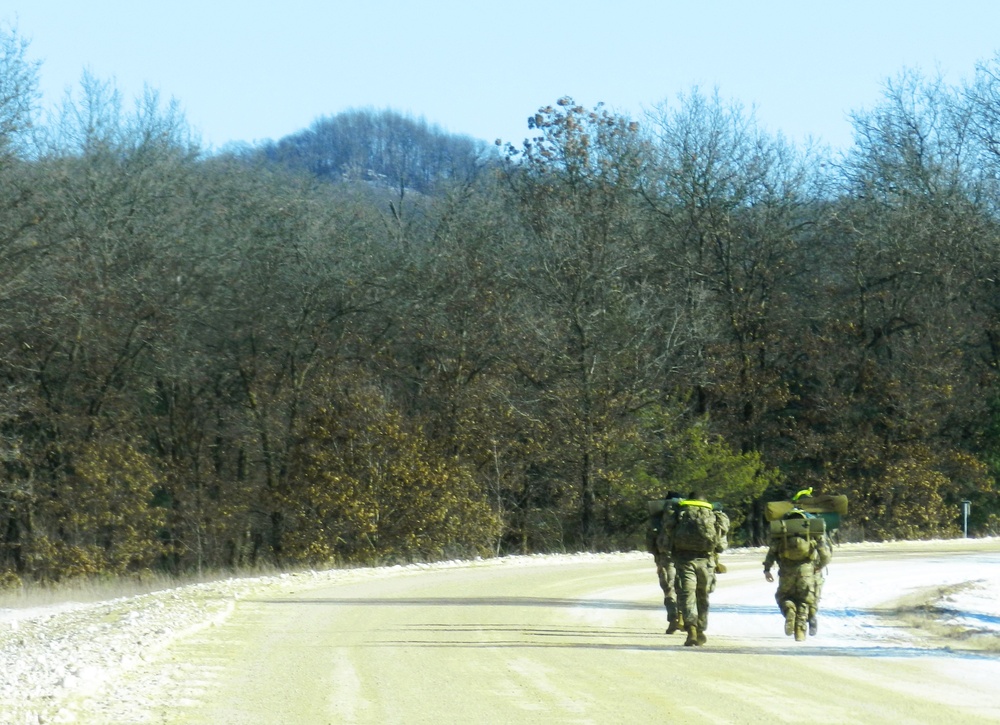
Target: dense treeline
[(274, 356)]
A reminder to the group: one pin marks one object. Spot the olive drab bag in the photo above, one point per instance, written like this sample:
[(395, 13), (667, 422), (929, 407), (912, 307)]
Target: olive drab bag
[(831, 508), (694, 527), (656, 507), (796, 548), (798, 534)]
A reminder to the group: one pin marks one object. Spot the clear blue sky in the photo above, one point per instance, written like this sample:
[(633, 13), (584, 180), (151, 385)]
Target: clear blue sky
[(253, 70)]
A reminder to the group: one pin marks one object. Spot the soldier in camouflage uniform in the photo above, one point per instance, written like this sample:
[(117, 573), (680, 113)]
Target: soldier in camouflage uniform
[(666, 572), (799, 581), (695, 567)]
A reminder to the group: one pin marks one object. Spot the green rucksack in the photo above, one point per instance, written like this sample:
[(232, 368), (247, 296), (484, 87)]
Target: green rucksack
[(654, 524), (831, 508), (798, 534), (796, 548), (694, 528)]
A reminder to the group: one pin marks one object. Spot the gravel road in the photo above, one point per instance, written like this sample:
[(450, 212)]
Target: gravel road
[(574, 639)]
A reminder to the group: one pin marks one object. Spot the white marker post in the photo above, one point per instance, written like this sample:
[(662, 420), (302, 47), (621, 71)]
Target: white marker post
[(966, 505)]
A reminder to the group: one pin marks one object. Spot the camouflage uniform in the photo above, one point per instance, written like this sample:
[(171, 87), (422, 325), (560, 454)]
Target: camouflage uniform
[(800, 584), (695, 573), (695, 580), (824, 553), (666, 572)]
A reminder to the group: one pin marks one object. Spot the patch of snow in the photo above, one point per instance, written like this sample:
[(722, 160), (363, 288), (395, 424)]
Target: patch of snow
[(976, 606)]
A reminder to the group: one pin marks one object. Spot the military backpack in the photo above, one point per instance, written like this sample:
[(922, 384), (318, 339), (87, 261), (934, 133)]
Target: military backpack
[(798, 534), (694, 528)]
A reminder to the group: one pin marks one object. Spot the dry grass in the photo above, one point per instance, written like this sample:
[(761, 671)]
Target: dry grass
[(99, 589), (920, 611)]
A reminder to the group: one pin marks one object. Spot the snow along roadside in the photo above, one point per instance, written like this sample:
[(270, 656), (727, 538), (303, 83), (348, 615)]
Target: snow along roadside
[(52, 655)]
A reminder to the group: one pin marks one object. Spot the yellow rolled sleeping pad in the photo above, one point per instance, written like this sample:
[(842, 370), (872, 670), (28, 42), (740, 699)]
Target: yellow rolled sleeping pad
[(695, 502)]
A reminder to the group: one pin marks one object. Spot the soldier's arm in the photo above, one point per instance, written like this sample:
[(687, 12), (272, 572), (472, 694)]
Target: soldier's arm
[(771, 556), (722, 528), (824, 552), (651, 541)]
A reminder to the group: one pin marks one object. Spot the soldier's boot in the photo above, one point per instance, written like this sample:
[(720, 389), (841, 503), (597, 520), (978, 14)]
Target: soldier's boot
[(678, 623), (788, 608), (702, 639), (672, 616), (813, 625), (692, 638)]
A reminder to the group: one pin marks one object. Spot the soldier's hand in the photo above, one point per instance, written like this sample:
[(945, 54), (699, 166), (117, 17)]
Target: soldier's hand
[(768, 575)]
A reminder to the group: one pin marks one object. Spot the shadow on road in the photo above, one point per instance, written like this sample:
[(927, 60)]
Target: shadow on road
[(469, 602), (492, 635)]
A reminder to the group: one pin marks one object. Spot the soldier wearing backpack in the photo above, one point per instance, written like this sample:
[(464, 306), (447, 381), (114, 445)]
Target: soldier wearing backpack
[(666, 572), (694, 533), (801, 556)]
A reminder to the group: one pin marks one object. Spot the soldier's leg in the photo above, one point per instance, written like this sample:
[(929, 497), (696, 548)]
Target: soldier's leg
[(813, 624), (812, 600), (670, 598), (803, 597), (687, 582), (677, 595), (673, 618), (801, 617), (706, 584), (697, 622), (789, 611), (785, 603)]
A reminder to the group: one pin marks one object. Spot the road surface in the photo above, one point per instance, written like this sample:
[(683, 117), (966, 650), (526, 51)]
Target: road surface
[(581, 640)]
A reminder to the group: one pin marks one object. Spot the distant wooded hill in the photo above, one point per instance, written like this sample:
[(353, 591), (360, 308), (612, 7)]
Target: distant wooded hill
[(385, 147)]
